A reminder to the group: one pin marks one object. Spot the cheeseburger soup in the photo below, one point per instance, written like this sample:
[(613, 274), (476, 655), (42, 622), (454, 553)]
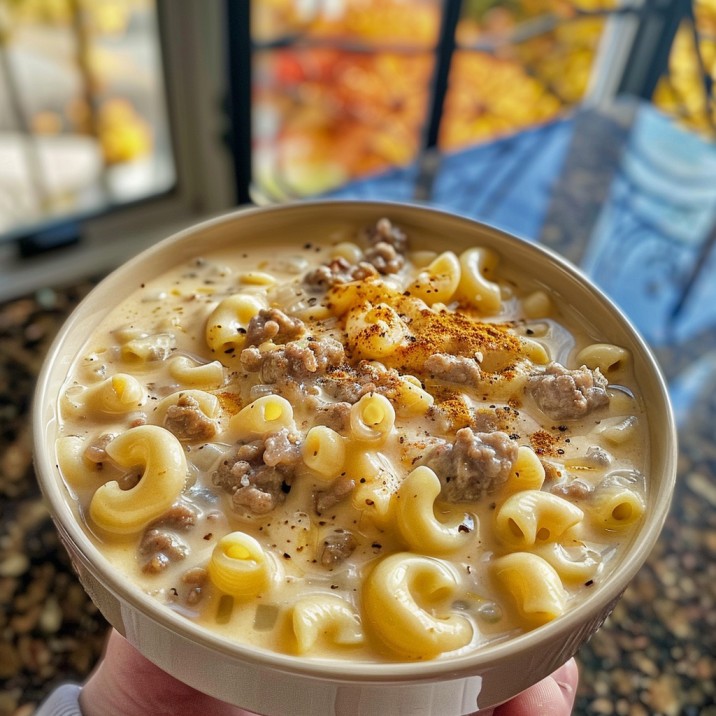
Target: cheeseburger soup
[(354, 448)]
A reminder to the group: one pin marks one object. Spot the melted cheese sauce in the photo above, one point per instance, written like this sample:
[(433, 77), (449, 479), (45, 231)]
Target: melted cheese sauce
[(171, 313)]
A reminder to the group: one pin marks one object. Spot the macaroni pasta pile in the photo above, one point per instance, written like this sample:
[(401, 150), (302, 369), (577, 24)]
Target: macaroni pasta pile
[(354, 448)]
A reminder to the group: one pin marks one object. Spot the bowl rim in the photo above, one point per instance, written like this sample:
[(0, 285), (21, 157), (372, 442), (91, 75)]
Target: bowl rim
[(486, 657)]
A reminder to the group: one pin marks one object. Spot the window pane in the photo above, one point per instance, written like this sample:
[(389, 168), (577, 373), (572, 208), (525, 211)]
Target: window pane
[(521, 63), (682, 91), (324, 117), (83, 123), (412, 23), (342, 94)]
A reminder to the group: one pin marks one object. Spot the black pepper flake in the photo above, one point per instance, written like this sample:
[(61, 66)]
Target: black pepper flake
[(589, 583), (334, 586), (208, 535), (560, 451), (377, 545), (286, 555)]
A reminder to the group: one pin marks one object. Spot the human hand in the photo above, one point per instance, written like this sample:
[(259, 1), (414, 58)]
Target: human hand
[(553, 696), (125, 683)]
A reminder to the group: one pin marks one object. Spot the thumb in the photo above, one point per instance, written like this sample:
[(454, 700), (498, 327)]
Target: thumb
[(125, 683), (553, 696)]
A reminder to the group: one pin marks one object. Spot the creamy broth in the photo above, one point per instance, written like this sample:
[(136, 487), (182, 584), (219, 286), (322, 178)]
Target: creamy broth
[(396, 363)]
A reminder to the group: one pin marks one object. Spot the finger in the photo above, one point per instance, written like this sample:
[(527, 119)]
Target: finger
[(126, 683), (553, 696)]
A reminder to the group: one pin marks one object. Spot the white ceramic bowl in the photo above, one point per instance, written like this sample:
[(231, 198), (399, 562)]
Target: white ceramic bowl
[(279, 684)]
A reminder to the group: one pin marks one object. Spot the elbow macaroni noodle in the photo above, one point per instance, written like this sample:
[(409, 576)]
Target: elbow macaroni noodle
[(239, 566), (162, 457), (533, 516), (324, 451), (374, 331), (262, 417), (227, 323), (415, 516), (121, 393), (608, 358), (206, 376), (325, 616), (372, 418), (476, 285), (533, 584), (257, 442), (402, 602), (527, 473), (439, 281)]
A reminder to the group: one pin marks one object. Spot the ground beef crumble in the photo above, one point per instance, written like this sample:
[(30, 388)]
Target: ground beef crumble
[(338, 271), (297, 360), (338, 490), (385, 231), (336, 547), (385, 254), (454, 369), (96, 451), (272, 324), (334, 415), (385, 258), (160, 545), (564, 394), (188, 422), (474, 465), (258, 475), (573, 489)]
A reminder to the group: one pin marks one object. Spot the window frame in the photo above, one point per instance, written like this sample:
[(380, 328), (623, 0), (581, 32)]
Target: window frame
[(193, 49)]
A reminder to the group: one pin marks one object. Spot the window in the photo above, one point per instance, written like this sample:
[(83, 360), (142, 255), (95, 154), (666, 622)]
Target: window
[(113, 131), (343, 89), (686, 88), (83, 123), (123, 120), (340, 90)]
